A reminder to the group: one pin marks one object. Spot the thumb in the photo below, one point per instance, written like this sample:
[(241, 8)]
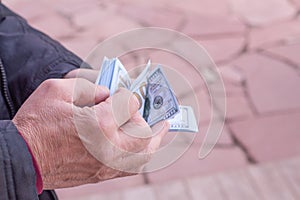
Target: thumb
[(88, 94)]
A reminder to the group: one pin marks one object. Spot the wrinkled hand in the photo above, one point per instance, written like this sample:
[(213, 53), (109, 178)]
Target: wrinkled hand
[(79, 135)]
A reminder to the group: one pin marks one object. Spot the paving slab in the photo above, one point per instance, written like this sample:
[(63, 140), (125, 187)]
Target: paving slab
[(288, 52), (77, 7), (225, 138), (55, 25), (205, 188), (290, 170), (257, 12), (190, 165), (99, 188), (271, 85), (271, 137), (211, 25), (297, 3), (145, 193), (269, 179), (220, 8), (274, 34), (80, 44), (223, 49), (102, 23), (176, 190), (145, 15), (238, 107), (30, 9), (238, 185)]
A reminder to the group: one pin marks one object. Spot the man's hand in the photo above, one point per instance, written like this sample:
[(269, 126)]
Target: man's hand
[(79, 135)]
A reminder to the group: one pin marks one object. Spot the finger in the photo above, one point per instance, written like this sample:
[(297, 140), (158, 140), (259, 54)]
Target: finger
[(160, 130), (101, 94), (135, 134), (88, 94), (88, 74), (124, 106), (136, 127)]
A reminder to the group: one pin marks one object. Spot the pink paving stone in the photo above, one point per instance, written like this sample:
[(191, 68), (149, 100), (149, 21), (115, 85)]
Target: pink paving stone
[(172, 190), (204, 25), (175, 62), (296, 2), (224, 139), (31, 10), (102, 24), (270, 138), (223, 49), (272, 85), (233, 75), (200, 102), (233, 80), (153, 3), (54, 25), (152, 16), (233, 89), (101, 188), (289, 52), (189, 165), (204, 7), (81, 45), (270, 35), (257, 12), (74, 8), (238, 107)]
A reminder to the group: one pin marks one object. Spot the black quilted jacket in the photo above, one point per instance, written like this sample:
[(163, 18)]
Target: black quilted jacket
[(27, 58)]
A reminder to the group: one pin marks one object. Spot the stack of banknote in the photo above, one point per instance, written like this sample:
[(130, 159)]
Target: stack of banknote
[(156, 97)]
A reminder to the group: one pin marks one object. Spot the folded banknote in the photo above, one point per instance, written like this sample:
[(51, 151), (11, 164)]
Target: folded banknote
[(156, 97)]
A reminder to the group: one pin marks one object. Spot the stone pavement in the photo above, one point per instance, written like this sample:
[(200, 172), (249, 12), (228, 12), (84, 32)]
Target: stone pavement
[(274, 180), (256, 45)]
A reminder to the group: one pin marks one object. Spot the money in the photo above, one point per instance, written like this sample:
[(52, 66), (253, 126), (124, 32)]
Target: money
[(156, 97), (113, 75), (161, 103), (184, 121)]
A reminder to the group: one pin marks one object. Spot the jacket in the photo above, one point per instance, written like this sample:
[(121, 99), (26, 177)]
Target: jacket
[(27, 58)]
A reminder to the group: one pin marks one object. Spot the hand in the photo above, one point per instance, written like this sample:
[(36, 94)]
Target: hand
[(79, 135)]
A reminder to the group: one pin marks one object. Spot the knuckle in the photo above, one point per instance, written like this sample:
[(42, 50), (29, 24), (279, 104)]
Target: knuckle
[(51, 83)]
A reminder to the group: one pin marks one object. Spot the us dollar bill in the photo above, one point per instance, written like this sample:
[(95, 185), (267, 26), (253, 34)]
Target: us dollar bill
[(160, 103), (184, 121), (113, 75), (157, 99)]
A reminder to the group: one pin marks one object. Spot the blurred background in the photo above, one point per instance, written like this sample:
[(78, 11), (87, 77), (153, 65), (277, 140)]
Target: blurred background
[(256, 46)]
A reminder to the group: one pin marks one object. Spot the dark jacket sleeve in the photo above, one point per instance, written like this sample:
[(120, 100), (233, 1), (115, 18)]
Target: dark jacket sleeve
[(29, 56), (17, 174)]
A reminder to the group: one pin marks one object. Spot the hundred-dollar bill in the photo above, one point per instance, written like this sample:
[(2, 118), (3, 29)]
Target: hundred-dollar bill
[(161, 103), (184, 121), (157, 99), (113, 75)]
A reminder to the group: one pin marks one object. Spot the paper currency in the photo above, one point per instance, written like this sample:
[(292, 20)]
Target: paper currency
[(184, 121), (161, 103), (157, 99), (113, 75)]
